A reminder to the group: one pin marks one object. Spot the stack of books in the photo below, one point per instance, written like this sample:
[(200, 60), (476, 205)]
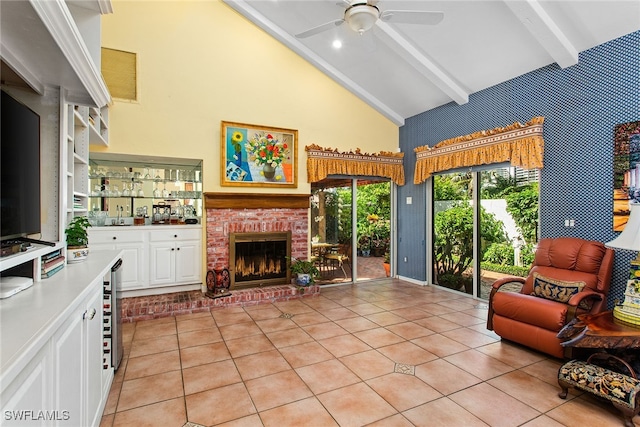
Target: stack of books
[(52, 263), (77, 203)]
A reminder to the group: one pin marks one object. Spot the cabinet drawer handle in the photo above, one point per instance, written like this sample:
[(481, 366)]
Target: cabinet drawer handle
[(114, 237), (90, 314), (178, 249), (175, 235), (172, 249)]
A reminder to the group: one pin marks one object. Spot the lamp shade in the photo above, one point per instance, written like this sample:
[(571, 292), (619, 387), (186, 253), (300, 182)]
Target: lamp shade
[(629, 239)]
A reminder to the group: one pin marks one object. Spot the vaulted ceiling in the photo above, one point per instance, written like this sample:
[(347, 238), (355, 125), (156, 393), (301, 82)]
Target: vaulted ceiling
[(403, 69)]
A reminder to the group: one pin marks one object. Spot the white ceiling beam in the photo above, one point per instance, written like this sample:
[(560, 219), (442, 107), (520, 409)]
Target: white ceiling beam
[(105, 7), (533, 16), (425, 66), (294, 44)]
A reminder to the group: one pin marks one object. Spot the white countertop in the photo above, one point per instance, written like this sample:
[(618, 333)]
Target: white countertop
[(145, 227), (29, 318)]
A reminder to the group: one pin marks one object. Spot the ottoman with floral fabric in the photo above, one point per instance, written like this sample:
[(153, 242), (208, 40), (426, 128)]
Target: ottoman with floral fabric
[(622, 390)]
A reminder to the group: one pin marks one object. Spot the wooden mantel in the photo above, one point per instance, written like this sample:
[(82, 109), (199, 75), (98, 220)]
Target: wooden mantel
[(255, 201)]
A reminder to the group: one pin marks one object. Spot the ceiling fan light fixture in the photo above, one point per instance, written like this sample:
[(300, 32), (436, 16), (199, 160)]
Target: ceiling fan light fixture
[(361, 17)]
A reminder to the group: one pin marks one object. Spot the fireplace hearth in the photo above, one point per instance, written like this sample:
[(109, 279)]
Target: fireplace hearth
[(259, 259)]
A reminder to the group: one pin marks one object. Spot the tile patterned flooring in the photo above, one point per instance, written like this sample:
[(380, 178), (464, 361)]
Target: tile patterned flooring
[(383, 353)]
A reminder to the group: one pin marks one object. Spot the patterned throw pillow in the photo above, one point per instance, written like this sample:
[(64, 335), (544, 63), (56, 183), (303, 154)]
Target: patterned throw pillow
[(554, 289)]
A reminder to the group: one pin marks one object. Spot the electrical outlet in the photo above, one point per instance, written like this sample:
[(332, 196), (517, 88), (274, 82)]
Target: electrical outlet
[(406, 259)]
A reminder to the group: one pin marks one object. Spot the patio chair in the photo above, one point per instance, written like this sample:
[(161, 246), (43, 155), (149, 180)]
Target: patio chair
[(338, 258)]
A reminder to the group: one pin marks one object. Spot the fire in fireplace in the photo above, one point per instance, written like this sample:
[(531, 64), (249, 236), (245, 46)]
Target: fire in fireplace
[(259, 259)]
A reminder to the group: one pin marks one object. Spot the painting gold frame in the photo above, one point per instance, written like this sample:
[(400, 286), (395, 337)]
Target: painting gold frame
[(258, 156)]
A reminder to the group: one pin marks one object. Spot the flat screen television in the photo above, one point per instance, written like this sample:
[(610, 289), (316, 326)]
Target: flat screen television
[(20, 169)]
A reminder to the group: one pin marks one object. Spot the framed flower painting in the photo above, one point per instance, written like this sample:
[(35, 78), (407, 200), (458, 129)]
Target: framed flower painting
[(258, 156)]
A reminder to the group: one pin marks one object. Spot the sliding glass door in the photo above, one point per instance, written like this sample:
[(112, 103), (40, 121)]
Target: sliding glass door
[(453, 227), (485, 224), (351, 229)]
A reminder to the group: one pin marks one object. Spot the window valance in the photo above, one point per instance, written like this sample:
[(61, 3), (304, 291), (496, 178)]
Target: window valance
[(522, 145), (322, 162)]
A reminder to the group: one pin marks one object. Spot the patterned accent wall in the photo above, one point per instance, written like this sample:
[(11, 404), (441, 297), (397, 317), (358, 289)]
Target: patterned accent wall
[(581, 105)]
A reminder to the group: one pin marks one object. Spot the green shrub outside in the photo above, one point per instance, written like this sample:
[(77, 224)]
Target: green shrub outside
[(512, 270), (499, 253)]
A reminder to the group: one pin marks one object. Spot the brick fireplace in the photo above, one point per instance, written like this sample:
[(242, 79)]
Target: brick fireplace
[(230, 214)]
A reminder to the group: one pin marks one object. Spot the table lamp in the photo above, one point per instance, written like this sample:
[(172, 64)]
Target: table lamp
[(629, 240)]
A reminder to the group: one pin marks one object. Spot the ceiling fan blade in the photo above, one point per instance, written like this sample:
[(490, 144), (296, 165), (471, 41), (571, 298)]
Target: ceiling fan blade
[(319, 29), (412, 16), (343, 3)]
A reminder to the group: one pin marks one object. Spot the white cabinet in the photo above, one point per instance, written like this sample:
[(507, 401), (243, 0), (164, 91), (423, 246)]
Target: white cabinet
[(175, 256), (156, 256), (29, 393), (52, 347), (93, 356), (67, 365), (77, 367), (133, 244), (162, 263), (188, 261)]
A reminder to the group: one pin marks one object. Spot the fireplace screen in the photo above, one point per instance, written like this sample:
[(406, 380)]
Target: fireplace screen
[(259, 259)]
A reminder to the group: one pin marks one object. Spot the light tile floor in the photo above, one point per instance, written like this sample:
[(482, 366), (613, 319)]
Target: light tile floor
[(385, 353)]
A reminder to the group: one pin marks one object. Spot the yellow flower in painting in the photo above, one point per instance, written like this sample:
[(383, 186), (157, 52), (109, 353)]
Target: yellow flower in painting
[(237, 137), (278, 177)]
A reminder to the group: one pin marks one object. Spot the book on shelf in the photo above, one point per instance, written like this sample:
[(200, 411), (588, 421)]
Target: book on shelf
[(51, 255), (53, 263), (52, 272)]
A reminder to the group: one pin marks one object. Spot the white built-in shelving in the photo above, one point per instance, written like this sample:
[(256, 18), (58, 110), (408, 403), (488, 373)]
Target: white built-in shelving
[(85, 126)]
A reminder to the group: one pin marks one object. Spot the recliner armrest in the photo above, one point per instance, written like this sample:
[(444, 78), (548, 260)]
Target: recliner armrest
[(581, 296), (500, 282)]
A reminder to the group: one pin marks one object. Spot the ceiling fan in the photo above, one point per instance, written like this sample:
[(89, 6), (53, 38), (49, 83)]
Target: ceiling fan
[(361, 15)]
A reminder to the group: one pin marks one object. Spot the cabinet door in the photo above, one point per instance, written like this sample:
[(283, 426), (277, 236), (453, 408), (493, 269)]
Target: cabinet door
[(133, 263), (132, 243), (77, 363), (162, 263), (92, 353), (68, 352), (29, 392), (188, 261)]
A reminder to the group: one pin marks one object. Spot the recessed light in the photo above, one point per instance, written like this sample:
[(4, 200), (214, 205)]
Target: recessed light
[(337, 44)]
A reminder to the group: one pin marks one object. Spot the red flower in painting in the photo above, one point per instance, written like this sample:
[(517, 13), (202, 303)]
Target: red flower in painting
[(266, 149)]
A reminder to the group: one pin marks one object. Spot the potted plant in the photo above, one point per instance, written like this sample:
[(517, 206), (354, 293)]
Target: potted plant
[(386, 263), (306, 271), (77, 239), (364, 244)]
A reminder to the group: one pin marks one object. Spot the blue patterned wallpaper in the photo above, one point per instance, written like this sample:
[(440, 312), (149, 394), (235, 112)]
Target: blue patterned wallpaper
[(581, 105)]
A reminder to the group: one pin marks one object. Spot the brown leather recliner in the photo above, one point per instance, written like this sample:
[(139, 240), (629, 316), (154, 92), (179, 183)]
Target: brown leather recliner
[(533, 318)]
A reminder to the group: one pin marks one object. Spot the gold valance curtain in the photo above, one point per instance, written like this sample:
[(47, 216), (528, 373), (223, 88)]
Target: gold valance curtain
[(322, 162), (521, 144)]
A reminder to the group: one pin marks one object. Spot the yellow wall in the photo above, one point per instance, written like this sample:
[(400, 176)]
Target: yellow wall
[(200, 63)]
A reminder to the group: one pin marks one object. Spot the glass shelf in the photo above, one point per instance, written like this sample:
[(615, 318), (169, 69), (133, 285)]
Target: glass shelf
[(172, 181), (198, 195)]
